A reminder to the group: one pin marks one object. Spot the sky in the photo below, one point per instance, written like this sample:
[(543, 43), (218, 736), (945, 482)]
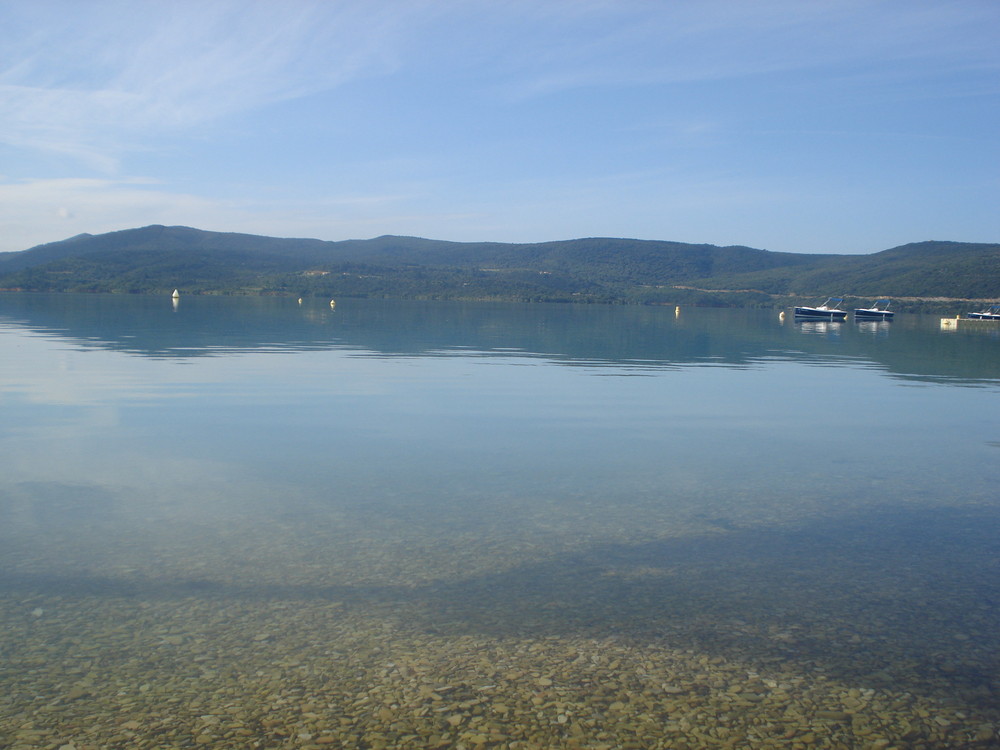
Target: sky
[(828, 126)]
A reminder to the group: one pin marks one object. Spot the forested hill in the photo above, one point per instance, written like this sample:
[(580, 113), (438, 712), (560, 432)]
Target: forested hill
[(158, 259)]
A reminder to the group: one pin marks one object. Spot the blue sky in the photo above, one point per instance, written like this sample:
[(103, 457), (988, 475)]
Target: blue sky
[(823, 126)]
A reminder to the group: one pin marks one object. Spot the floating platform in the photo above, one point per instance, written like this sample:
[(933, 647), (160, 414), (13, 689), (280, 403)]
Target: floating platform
[(953, 324)]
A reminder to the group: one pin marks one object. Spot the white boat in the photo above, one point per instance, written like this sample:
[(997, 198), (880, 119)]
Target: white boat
[(878, 311), (990, 313), (829, 310)]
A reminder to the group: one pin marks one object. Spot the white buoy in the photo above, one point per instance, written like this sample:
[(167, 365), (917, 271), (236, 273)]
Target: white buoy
[(677, 311), (300, 300), (333, 303), (781, 315)]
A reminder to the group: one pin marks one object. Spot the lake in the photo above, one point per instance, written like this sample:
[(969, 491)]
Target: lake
[(248, 522)]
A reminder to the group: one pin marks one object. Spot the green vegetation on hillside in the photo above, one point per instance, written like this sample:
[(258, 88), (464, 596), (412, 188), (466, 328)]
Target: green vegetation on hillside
[(157, 259)]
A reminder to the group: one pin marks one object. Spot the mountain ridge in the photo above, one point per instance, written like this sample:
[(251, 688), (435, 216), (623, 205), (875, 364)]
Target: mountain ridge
[(158, 258)]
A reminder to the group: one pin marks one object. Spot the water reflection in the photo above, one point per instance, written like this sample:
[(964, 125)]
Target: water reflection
[(827, 328), (879, 328), (641, 337), (246, 521)]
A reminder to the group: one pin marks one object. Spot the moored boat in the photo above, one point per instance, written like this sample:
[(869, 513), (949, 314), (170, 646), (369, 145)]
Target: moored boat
[(829, 310), (990, 313), (878, 311)]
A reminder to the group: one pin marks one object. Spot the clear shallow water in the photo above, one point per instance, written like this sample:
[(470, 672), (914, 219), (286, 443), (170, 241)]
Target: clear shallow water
[(723, 498)]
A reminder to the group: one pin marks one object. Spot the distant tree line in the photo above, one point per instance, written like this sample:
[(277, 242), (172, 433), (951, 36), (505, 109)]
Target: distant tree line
[(156, 260)]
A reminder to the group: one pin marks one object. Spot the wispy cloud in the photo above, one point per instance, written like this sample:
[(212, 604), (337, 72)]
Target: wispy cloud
[(151, 68), (93, 81), (250, 116), (639, 44)]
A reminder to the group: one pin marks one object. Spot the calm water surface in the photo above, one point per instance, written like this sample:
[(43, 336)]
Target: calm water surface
[(484, 525)]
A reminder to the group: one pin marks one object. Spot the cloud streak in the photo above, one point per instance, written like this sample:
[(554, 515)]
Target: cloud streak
[(642, 44), (431, 116), (175, 67)]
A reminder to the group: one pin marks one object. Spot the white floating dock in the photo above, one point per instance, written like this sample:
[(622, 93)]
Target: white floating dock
[(953, 324)]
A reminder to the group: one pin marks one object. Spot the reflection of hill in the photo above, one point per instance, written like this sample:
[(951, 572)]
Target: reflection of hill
[(581, 335)]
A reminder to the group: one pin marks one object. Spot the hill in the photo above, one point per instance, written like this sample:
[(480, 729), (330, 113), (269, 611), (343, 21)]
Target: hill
[(922, 269), (157, 259)]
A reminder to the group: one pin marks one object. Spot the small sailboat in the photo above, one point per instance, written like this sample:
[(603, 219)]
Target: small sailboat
[(829, 310), (176, 294), (878, 311)]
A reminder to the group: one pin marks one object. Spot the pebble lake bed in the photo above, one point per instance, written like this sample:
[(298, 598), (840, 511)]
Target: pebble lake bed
[(377, 527), (574, 652)]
